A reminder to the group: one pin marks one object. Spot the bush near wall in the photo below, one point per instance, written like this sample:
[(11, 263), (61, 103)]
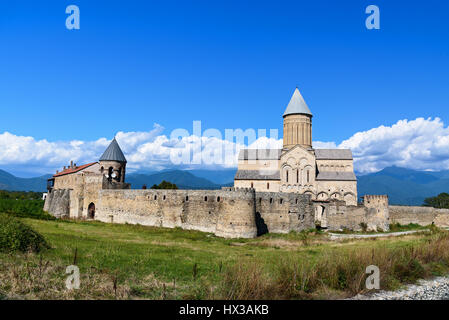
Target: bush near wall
[(17, 236)]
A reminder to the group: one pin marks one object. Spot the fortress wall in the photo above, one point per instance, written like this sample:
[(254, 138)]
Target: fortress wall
[(285, 212), (420, 215), (374, 213), (58, 202), (225, 213)]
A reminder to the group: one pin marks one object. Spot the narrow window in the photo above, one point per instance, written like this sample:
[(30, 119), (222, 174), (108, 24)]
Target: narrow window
[(218, 199), (187, 198), (164, 197), (271, 200), (155, 197), (260, 200), (280, 201), (268, 185), (205, 198), (252, 185), (307, 176), (286, 176), (297, 176)]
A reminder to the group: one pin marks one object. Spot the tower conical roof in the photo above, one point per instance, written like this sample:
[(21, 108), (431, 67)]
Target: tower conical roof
[(297, 105), (113, 153)]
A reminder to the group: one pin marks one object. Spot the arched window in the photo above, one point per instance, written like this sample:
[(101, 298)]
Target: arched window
[(119, 177)]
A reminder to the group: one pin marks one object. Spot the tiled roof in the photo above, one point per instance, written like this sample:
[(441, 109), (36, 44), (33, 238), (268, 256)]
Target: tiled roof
[(333, 154), (74, 169), (260, 154), (257, 175), (336, 176), (113, 153)]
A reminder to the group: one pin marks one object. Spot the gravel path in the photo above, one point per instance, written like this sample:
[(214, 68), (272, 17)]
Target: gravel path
[(336, 236), (434, 289)]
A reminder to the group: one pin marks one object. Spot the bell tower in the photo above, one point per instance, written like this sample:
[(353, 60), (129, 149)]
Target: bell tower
[(113, 163), (297, 123)]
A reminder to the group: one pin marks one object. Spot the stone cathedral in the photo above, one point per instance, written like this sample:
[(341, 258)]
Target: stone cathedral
[(324, 174)]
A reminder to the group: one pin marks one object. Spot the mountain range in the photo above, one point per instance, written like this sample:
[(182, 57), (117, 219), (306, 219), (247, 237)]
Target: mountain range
[(403, 186)]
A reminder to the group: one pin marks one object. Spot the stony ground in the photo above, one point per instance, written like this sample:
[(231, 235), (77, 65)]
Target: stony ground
[(435, 289)]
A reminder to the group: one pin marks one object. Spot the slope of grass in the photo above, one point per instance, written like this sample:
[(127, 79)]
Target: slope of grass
[(131, 261)]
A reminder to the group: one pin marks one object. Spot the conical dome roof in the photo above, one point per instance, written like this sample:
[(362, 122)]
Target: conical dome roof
[(297, 105), (113, 153)]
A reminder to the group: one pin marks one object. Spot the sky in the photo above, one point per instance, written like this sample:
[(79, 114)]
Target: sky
[(141, 69)]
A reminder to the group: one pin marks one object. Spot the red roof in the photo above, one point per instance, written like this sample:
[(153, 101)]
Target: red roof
[(74, 169)]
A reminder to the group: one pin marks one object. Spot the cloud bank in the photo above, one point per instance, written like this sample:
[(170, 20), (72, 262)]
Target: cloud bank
[(421, 144)]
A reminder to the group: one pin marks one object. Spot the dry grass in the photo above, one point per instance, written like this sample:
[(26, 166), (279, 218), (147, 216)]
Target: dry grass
[(338, 274), (179, 264)]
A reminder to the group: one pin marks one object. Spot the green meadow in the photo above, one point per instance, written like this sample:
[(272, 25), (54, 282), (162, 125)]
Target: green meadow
[(138, 262)]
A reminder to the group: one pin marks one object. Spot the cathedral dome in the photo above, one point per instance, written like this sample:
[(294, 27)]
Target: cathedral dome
[(297, 105)]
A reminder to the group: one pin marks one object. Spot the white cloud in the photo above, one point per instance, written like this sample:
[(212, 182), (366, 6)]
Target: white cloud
[(419, 144), (324, 145)]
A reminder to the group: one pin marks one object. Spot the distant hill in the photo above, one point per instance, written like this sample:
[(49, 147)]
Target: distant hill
[(13, 183), (183, 179), (404, 186), (221, 177)]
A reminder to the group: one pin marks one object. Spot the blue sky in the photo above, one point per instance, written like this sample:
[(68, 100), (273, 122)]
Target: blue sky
[(230, 64)]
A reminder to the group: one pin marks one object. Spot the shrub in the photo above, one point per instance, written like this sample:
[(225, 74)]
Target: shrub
[(25, 208), (17, 236), (364, 226)]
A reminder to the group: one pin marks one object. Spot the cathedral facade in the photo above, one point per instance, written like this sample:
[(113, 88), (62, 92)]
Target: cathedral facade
[(324, 174)]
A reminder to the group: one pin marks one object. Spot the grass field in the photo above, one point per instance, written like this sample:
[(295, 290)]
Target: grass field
[(134, 262)]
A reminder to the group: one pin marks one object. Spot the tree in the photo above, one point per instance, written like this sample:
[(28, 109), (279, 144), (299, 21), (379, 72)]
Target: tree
[(440, 201), (165, 185)]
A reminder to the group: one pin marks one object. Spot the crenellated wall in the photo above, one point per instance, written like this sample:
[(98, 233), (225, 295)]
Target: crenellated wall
[(230, 212), (285, 212), (336, 215), (224, 213), (419, 215)]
